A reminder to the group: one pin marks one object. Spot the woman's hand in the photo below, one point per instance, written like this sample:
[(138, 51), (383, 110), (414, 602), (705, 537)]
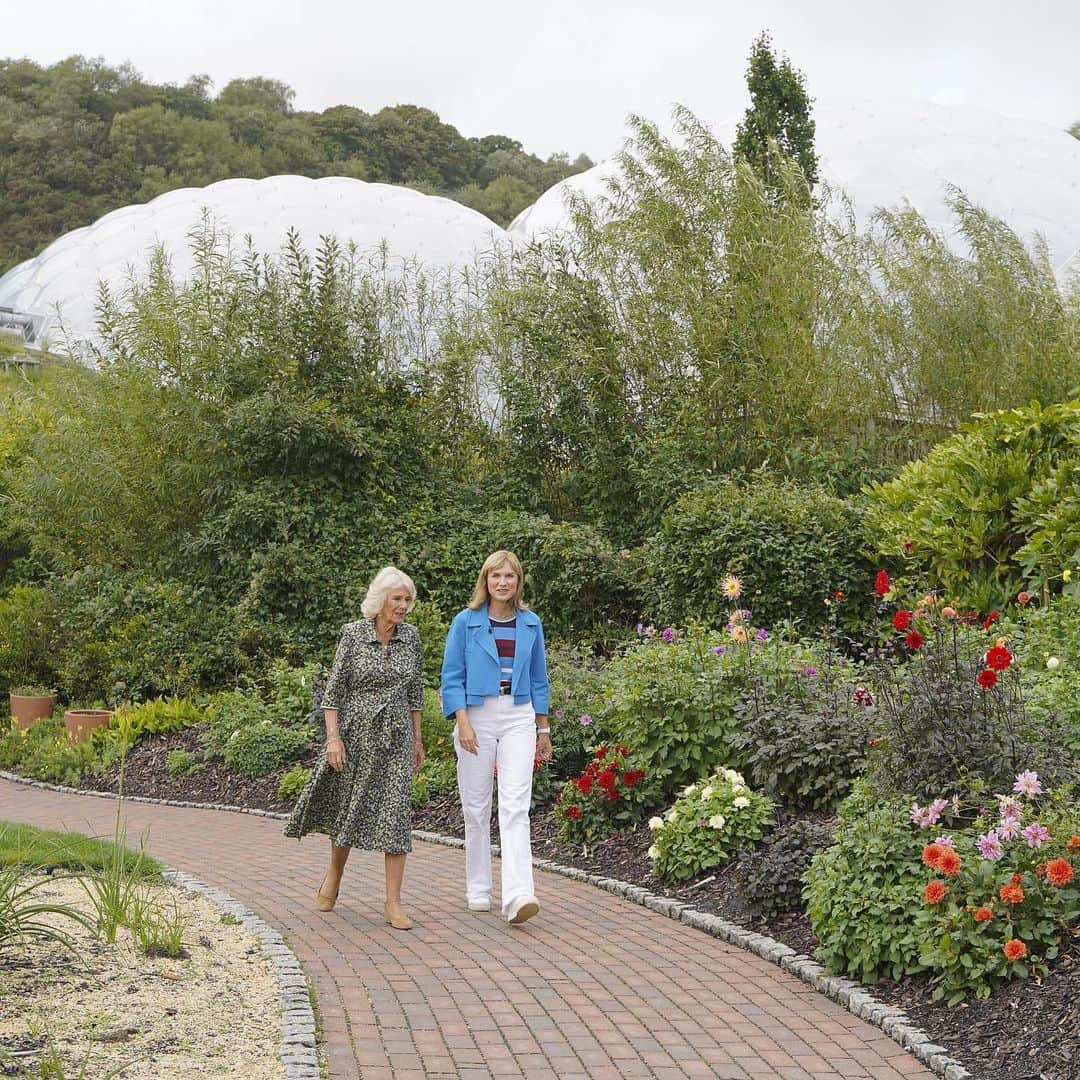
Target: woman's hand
[(418, 755), (335, 753), (544, 750), (466, 736)]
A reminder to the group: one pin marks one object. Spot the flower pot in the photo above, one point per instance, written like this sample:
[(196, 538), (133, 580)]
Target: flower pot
[(80, 722), (26, 708)]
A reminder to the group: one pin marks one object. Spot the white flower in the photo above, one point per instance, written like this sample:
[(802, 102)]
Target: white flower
[(707, 792), (717, 821), (690, 790), (670, 815), (656, 823), (731, 776), (654, 852), (1053, 663), (739, 788), (740, 802)]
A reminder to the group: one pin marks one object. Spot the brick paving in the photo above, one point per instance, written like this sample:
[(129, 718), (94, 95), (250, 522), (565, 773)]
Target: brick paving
[(593, 987)]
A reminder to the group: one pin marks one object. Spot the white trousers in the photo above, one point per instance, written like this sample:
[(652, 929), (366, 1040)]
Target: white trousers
[(505, 737)]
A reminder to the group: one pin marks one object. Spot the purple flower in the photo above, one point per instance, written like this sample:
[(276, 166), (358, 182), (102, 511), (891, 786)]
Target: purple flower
[(935, 810), (945, 841), (1036, 835), (810, 672), (1009, 829), (989, 847), (559, 714), (1027, 783), (668, 635), (862, 697), (719, 650), (920, 815), (585, 719), (1010, 809), (762, 635)]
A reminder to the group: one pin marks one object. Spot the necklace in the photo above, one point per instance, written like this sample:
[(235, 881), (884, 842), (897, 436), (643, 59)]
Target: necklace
[(384, 635)]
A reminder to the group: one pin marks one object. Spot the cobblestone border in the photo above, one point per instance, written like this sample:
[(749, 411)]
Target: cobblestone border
[(844, 992)]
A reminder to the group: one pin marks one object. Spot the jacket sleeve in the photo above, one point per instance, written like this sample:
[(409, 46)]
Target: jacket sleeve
[(337, 682), (453, 668), (538, 673)]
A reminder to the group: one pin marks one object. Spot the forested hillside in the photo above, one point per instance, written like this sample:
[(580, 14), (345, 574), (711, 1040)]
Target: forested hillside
[(81, 138)]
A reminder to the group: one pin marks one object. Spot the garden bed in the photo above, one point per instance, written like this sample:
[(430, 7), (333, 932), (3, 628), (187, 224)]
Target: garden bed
[(1027, 1030)]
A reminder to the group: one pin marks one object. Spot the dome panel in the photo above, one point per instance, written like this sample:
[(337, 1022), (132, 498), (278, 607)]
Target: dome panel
[(882, 154), (435, 232)]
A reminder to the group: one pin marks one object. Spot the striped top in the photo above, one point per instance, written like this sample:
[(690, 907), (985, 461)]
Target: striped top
[(505, 633)]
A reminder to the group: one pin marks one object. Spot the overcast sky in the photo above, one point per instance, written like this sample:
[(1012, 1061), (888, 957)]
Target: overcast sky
[(564, 75)]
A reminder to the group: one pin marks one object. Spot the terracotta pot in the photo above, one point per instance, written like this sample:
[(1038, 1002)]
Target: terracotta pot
[(80, 722), (26, 709)]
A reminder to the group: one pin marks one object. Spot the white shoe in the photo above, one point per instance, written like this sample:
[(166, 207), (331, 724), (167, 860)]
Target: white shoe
[(479, 905), (522, 910)]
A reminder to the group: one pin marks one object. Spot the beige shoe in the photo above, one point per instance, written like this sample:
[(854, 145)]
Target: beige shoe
[(522, 910), (324, 902), (395, 916)]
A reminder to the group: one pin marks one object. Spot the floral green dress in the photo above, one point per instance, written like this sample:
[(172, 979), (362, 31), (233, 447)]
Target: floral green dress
[(369, 803)]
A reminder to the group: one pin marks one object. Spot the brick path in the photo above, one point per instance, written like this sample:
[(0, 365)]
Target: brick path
[(593, 987)]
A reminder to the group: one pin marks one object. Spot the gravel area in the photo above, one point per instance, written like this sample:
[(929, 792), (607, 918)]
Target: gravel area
[(216, 1012)]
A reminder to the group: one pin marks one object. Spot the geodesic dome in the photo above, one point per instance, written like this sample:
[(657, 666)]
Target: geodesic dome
[(881, 154), (61, 283)]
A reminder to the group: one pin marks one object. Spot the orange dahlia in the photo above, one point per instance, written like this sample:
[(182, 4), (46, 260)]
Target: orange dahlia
[(983, 914), (949, 863), (1014, 949), (1059, 872), (1012, 893), (931, 854), (935, 892)]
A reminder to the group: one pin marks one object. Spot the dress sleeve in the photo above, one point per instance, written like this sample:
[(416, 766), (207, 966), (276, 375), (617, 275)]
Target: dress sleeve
[(416, 682), (337, 683)]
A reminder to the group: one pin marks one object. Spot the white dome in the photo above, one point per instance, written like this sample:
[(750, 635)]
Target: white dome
[(437, 233), (880, 154)]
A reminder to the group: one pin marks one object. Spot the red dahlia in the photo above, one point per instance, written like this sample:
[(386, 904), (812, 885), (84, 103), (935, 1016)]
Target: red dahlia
[(987, 679), (881, 584), (1059, 872), (914, 640), (902, 620), (999, 658)]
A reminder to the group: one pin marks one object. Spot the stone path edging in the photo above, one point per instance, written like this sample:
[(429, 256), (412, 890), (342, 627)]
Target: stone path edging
[(845, 992)]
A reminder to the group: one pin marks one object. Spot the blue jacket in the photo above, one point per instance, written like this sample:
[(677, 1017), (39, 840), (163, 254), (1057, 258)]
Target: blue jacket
[(470, 670)]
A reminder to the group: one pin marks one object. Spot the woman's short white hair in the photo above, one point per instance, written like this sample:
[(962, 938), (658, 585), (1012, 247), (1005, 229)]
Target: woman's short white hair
[(385, 582)]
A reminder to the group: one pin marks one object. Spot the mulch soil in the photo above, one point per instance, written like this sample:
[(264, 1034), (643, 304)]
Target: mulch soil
[(1026, 1030)]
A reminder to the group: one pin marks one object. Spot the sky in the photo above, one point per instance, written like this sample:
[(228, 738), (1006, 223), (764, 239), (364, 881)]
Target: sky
[(563, 76)]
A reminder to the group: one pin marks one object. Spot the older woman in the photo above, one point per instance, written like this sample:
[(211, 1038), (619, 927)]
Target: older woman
[(360, 794), (495, 685)]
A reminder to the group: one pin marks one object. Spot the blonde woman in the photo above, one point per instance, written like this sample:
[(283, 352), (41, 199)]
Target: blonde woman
[(360, 794), (495, 685)]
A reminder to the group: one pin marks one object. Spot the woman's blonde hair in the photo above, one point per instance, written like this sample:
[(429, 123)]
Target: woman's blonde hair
[(382, 584), (496, 559)]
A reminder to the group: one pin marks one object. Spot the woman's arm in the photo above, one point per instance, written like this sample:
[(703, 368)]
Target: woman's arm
[(453, 669)]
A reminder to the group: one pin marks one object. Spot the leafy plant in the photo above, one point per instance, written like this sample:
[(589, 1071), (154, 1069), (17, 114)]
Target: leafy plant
[(855, 888), (709, 823), (181, 763), (21, 913), (773, 877), (293, 782), (794, 543), (156, 931)]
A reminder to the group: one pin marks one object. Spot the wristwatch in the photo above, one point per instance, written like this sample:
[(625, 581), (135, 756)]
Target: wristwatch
[(543, 731)]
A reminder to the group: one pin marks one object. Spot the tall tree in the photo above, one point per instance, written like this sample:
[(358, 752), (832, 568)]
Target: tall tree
[(779, 113)]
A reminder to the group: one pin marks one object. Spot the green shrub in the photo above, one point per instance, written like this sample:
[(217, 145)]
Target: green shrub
[(990, 511), (577, 680), (262, 748), (181, 763), (802, 739), (43, 752), (794, 545), (27, 636), (293, 782), (672, 703), (437, 777), (609, 797), (773, 877), (436, 730), (433, 627), (710, 822), (1046, 639), (857, 890)]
